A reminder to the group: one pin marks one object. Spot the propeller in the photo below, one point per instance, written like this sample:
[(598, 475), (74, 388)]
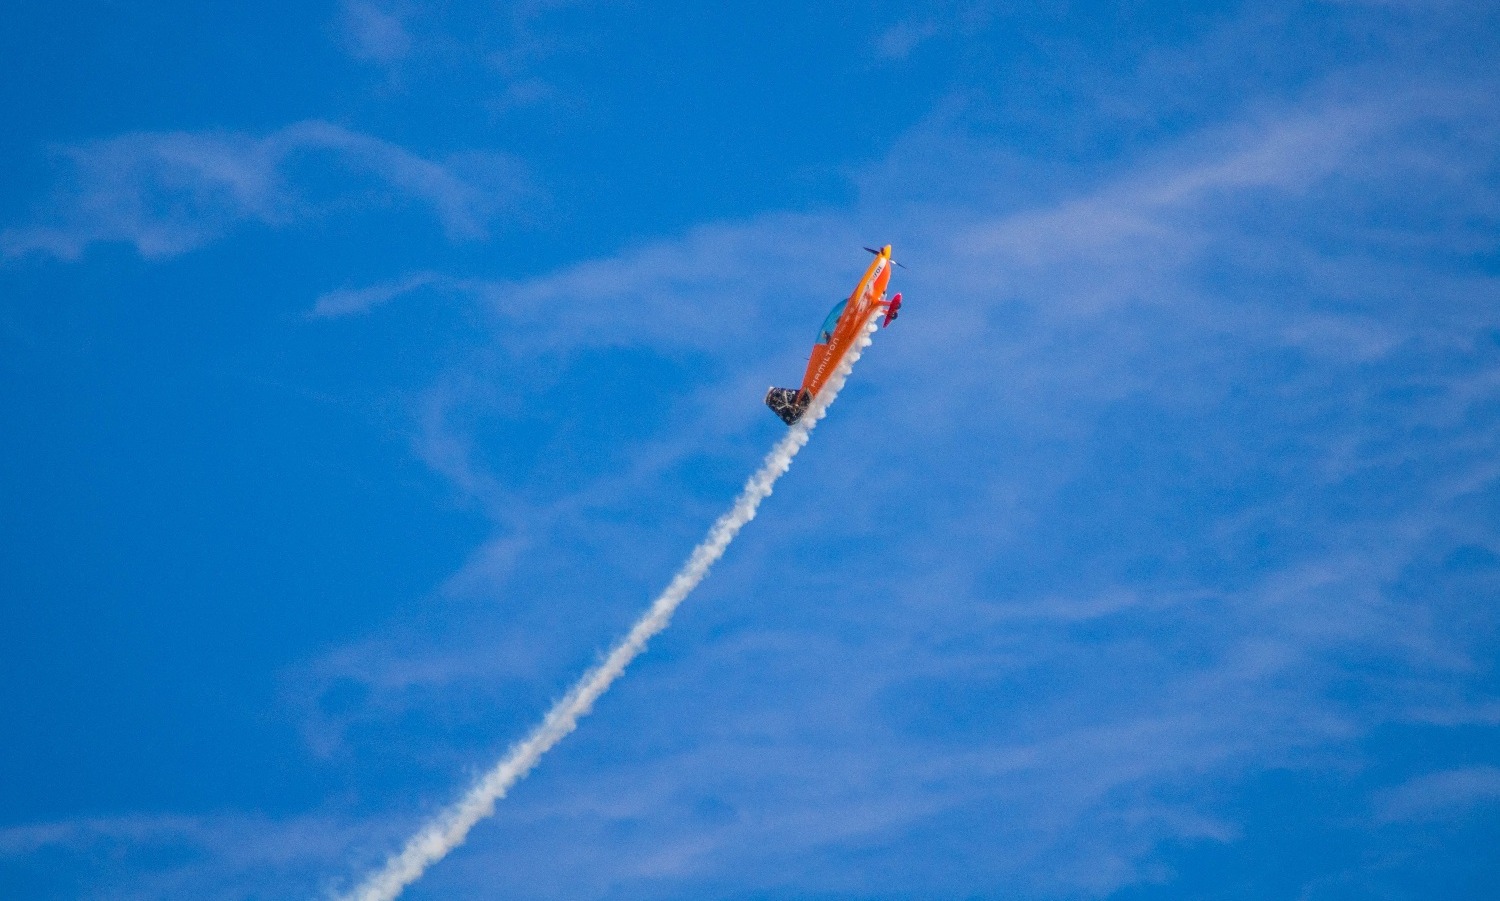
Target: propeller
[(877, 253)]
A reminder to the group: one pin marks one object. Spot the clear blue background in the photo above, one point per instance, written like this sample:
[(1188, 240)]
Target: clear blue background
[(367, 367)]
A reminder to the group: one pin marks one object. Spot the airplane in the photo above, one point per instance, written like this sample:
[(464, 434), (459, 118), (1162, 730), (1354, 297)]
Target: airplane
[(839, 332)]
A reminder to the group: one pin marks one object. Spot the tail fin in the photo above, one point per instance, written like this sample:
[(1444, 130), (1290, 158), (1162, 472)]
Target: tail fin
[(788, 403)]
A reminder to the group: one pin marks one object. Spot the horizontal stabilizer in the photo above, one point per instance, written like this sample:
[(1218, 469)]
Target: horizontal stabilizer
[(891, 310), (788, 403)]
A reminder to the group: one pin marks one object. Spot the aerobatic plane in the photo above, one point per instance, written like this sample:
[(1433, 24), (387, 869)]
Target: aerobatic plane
[(839, 332)]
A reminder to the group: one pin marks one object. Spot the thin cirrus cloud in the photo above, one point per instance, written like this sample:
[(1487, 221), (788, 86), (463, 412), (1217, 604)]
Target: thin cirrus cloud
[(898, 41), (373, 34), (233, 855), (352, 301), (1158, 487), (652, 293), (169, 193), (1230, 451), (1439, 796)]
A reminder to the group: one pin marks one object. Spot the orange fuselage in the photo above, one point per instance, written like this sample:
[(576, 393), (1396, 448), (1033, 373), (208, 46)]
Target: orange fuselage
[(868, 299)]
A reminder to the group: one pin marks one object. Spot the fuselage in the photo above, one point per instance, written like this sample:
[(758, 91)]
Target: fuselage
[(859, 309)]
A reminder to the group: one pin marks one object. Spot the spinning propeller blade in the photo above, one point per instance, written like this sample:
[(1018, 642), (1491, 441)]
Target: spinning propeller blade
[(877, 253)]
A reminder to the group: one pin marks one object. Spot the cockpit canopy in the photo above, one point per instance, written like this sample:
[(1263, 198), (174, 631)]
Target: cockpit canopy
[(825, 334)]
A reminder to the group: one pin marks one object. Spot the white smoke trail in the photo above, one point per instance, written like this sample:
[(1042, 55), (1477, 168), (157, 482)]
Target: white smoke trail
[(448, 829)]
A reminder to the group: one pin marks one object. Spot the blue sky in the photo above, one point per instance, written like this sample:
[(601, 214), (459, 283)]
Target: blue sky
[(369, 366)]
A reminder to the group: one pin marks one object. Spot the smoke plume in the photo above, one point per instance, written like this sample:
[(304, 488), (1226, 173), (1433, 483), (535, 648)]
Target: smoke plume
[(448, 829)]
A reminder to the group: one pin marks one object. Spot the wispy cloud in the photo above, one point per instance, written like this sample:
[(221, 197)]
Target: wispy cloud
[(528, 40), (899, 40), (1439, 795), (351, 301), (215, 856), (1163, 482), (1154, 462), (167, 193), (652, 294), (373, 34)]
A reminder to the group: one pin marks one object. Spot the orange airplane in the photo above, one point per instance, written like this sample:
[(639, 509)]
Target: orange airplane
[(840, 330)]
